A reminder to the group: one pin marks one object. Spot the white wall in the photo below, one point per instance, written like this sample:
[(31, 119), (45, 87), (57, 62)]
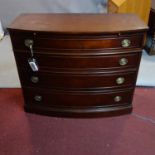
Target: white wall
[(9, 9)]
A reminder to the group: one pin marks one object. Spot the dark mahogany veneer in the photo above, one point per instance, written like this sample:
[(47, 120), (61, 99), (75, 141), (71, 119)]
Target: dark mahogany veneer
[(88, 63)]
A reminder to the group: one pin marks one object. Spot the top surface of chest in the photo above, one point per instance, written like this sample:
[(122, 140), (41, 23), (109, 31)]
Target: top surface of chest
[(78, 23)]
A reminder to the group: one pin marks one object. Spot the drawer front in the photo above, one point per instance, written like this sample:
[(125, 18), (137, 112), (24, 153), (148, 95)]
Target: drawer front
[(77, 81), (119, 42), (80, 62), (74, 98)]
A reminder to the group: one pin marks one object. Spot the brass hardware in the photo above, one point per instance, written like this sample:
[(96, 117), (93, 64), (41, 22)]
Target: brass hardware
[(120, 80), (126, 43), (29, 43), (34, 79), (117, 98), (38, 98), (123, 61)]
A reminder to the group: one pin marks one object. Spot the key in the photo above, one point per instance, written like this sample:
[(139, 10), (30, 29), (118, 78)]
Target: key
[(33, 64), (32, 61), (29, 43)]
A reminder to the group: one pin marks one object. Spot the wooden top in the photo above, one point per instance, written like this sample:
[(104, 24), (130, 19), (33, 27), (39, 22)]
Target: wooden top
[(78, 23)]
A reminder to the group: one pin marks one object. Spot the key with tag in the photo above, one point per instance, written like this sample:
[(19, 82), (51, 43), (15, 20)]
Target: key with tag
[(33, 64), (32, 61)]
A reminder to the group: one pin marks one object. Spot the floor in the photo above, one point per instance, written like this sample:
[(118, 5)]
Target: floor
[(29, 134), (9, 77)]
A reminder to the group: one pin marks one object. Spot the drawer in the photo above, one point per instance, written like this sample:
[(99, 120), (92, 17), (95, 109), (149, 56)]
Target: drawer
[(77, 98), (119, 42), (77, 81), (50, 62)]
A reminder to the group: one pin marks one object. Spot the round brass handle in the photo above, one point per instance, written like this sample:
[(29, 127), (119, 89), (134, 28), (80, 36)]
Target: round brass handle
[(126, 43), (28, 42), (117, 98), (34, 79), (123, 61), (120, 80), (38, 98)]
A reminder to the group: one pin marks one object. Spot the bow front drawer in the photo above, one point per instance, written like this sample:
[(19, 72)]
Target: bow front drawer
[(75, 98), (50, 62), (85, 81), (119, 42)]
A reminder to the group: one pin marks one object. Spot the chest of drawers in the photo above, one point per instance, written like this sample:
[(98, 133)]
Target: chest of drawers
[(88, 63), (150, 43)]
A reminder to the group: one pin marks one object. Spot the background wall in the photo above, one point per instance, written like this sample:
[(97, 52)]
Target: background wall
[(9, 9)]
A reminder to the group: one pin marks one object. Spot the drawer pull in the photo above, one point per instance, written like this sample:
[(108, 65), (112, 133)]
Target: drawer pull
[(120, 80), (38, 98), (28, 42), (123, 61), (126, 43), (117, 98), (34, 79)]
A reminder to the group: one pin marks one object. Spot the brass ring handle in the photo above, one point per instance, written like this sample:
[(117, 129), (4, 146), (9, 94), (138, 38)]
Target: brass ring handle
[(126, 43), (120, 80), (117, 98), (34, 79), (38, 98), (123, 61)]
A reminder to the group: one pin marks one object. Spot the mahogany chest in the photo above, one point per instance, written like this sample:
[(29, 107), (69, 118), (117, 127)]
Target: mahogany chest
[(78, 64), (150, 44)]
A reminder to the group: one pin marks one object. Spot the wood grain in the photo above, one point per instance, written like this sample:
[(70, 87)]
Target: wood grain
[(78, 23)]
